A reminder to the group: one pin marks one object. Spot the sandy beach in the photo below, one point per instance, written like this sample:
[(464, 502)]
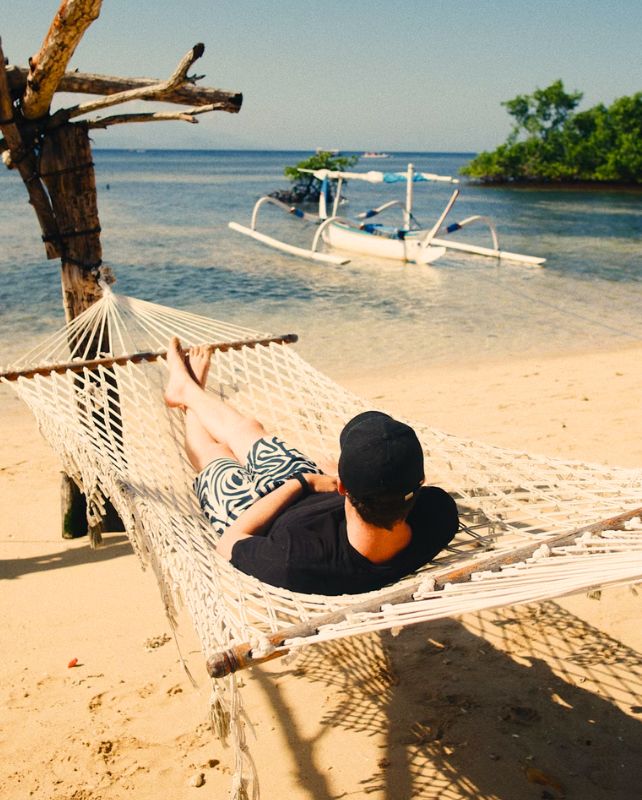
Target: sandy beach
[(541, 701)]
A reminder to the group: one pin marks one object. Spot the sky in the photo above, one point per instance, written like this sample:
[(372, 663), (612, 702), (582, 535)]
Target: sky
[(394, 75)]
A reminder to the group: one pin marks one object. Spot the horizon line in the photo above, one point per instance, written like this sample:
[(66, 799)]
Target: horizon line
[(134, 149)]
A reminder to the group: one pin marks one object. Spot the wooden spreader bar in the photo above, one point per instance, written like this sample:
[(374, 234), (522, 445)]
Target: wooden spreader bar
[(241, 656), (136, 358)]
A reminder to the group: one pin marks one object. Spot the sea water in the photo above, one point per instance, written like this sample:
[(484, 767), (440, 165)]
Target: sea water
[(164, 218)]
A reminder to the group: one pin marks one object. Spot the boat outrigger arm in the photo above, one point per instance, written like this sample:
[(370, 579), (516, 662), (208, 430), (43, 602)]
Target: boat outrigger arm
[(277, 243), (408, 243)]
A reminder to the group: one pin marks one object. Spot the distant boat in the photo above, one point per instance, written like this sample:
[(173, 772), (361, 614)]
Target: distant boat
[(408, 242), (332, 150), (373, 154)]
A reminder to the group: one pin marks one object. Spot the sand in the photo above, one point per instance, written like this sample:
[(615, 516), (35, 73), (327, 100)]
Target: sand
[(538, 701)]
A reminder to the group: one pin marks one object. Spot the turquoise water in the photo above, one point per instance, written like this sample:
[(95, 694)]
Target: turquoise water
[(164, 216)]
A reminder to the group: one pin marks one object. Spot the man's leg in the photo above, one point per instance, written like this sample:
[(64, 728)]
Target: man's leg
[(200, 448), (210, 422)]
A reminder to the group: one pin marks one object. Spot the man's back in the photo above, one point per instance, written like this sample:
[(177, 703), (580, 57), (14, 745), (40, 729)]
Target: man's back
[(307, 548)]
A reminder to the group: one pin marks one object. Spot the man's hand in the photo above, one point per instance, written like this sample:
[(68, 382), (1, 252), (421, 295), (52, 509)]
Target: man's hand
[(321, 483)]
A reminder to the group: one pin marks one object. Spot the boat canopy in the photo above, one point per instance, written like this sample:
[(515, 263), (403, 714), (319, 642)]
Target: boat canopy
[(375, 176)]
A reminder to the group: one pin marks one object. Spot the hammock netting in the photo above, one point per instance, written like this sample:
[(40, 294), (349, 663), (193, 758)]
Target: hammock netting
[(118, 441)]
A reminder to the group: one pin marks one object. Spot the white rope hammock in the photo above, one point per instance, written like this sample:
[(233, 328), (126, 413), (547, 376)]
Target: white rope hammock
[(118, 440)]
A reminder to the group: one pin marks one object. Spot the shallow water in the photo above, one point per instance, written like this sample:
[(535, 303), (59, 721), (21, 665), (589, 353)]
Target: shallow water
[(164, 217)]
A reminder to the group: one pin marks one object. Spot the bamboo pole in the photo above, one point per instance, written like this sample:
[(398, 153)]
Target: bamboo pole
[(136, 358), (242, 656)]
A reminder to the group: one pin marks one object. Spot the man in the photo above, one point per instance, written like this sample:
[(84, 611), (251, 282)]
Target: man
[(285, 522)]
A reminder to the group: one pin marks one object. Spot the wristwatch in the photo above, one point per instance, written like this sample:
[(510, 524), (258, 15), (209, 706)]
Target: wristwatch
[(300, 477)]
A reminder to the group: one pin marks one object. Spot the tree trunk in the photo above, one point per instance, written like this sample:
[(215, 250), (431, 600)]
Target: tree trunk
[(66, 167), (54, 160), (73, 509), (67, 170)]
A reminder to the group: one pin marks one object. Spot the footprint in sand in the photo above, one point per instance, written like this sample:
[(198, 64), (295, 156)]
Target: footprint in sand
[(157, 641)]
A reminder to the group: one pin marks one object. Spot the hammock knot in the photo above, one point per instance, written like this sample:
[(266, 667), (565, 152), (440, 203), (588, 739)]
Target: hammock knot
[(261, 646), (543, 551), (476, 576), (425, 588)]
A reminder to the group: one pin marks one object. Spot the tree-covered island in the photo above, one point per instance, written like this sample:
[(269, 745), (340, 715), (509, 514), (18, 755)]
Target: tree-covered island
[(552, 143), (305, 187)]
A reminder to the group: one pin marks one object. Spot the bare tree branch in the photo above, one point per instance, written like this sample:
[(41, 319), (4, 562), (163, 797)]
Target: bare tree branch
[(49, 64), (189, 115), (88, 83), (15, 155), (178, 78)]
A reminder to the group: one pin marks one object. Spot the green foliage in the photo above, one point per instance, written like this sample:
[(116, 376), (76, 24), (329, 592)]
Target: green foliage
[(550, 142), (542, 113), (320, 160), (306, 188)]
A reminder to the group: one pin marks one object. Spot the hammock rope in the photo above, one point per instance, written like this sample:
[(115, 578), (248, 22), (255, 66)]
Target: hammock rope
[(118, 441), (577, 541)]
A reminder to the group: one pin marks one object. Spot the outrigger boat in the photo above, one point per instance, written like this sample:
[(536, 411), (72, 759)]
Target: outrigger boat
[(408, 242)]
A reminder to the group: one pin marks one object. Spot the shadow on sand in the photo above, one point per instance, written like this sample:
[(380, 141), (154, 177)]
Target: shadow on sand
[(526, 702), (115, 546)]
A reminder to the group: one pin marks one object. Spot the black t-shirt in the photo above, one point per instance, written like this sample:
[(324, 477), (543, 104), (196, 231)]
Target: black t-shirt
[(306, 549)]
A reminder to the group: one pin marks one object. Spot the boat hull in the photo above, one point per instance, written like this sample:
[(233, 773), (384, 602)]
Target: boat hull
[(342, 237)]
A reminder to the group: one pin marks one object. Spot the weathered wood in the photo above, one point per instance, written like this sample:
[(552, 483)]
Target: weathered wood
[(67, 170), (73, 509), (59, 204), (137, 358), (24, 160), (241, 656), (189, 94), (49, 64), (157, 90), (54, 158), (189, 115)]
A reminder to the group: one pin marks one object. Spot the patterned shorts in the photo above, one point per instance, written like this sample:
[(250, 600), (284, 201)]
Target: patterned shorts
[(225, 488)]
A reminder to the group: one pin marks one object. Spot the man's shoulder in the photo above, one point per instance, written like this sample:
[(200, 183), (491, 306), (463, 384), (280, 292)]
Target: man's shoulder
[(434, 517), (434, 498)]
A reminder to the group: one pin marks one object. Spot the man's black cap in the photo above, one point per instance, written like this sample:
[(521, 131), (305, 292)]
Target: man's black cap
[(380, 456)]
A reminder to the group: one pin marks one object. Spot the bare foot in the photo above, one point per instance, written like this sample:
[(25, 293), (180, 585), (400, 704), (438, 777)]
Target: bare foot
[(179, 376), (199, 363)]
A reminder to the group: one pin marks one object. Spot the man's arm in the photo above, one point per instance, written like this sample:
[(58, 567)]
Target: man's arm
[(262, 514)]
